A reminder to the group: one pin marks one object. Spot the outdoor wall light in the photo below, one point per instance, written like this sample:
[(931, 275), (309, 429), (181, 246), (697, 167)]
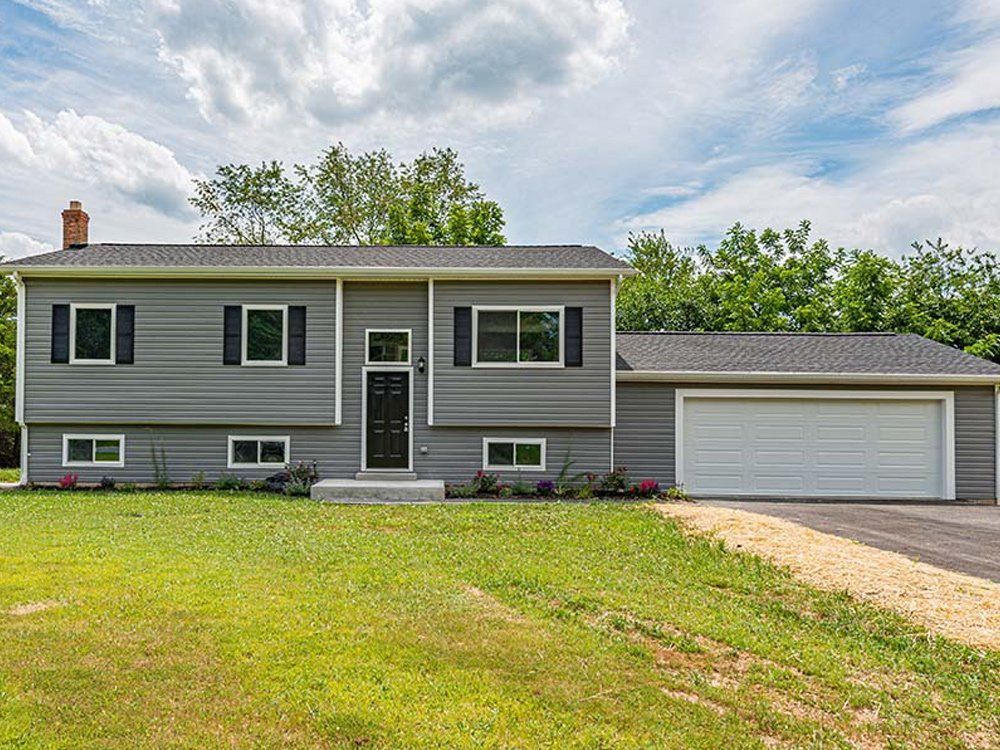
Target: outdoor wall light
[(421, 365)]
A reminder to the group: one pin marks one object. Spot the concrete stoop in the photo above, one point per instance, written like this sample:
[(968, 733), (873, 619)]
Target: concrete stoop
[(378, 490)]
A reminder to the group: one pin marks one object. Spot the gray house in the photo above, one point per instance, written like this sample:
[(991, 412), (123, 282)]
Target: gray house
[(433, 363)]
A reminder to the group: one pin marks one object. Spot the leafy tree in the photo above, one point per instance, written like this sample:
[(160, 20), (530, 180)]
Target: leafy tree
[(782, 281), (668, 294), (343, 198), (10, 432), (863, 293), (246, 205)]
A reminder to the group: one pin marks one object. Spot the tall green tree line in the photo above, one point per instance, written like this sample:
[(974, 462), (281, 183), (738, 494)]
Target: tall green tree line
[(787, 281)]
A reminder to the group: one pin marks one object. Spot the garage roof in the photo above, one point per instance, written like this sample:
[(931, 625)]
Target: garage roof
[(806, 356)]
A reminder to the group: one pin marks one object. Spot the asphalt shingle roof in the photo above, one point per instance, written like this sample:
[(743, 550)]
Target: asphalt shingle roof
[(568, 257), (875, 353)]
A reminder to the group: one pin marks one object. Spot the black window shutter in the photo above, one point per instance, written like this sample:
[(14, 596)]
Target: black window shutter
[(463, 337), (297, 335), (125, 334), (60, 333), (574, 337), (232, 340)]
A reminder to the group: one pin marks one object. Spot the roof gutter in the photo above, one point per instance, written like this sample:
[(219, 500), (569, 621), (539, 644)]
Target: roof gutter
[(311, 272), (803, 378)]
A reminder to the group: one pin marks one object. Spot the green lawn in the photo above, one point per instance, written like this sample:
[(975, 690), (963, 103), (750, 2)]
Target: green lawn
[(208, 619)]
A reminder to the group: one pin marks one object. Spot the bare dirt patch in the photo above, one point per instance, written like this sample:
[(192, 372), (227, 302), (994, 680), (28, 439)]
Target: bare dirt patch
[(958, 606), (29, 608)]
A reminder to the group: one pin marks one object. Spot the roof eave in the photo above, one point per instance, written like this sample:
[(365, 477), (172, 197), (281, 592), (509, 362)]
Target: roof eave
[(311, 272), (803, 378)]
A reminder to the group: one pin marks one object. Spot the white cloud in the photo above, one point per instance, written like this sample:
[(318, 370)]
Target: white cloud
[(968, 79), (942, 186), (338, 61), (842, 77), (17, 245), (100, 153)]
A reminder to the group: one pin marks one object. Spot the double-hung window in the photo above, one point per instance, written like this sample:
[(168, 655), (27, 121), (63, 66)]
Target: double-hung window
[(519, 454), (256, 451), (517, 336), (92, 333), (93, 450), (265, 335)]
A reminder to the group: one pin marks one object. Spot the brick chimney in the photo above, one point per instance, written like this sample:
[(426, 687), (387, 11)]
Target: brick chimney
[(75, 222)]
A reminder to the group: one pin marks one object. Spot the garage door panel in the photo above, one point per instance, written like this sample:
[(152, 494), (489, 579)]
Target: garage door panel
[(840, 432), (779, 483), (809, 446)]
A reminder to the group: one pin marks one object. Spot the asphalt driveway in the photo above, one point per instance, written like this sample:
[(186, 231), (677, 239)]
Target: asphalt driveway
[(962, 538)]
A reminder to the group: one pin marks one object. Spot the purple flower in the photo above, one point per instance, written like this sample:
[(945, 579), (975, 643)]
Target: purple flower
[(545, 487)]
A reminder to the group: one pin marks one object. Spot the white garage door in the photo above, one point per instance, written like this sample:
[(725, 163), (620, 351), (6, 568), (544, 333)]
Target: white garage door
[(820, 447)]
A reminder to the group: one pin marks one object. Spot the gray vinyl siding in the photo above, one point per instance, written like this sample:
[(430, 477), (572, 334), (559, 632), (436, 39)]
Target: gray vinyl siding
[(645, 434), (178, 375), (572, 396), (454, 454), (179, 371), (975, 443), (372, 305)]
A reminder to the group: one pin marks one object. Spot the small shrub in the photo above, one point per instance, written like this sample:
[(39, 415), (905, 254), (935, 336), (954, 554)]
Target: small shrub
[(545, 487), (461, 490), (675, 492), (615, 481), (127, 487), (198, 480), (69, 481), (258, 485), (645, 488), (299, 479), (504, 491), (107, 483), (585, 492), (228, 482), (486, 484), (521, 489), (158, 457), (297, 487)]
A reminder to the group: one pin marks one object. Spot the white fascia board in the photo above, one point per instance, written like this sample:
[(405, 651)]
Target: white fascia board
[(317, 272), (830, 378)]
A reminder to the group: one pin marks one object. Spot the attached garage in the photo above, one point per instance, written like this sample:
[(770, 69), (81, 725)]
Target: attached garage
[(815, 443), (851, 416)]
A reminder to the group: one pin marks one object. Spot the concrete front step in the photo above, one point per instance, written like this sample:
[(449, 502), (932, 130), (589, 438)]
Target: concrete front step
[(378, 491), (386, 476)]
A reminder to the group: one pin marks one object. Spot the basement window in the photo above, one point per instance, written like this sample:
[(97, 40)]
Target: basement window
[(255, 451), (519, 454), (93, 450)]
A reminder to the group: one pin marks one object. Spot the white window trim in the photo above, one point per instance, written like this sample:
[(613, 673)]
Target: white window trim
[(560, 309), (409, 346), (245, 335), (231, 463), (487, 441), (74, 306), (364, 414), (80, 436), (947, 399)]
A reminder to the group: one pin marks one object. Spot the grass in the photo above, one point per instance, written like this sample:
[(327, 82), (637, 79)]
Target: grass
[(10, 475), (207, 619)]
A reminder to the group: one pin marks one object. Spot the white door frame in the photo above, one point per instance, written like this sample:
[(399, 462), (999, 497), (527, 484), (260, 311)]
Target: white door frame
[(946, 397), (364, 413)]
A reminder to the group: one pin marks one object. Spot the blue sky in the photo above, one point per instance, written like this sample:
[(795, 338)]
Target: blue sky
[(586, 119)]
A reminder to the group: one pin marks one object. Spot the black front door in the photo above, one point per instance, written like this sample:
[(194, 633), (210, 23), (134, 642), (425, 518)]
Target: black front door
[(387, 422)]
